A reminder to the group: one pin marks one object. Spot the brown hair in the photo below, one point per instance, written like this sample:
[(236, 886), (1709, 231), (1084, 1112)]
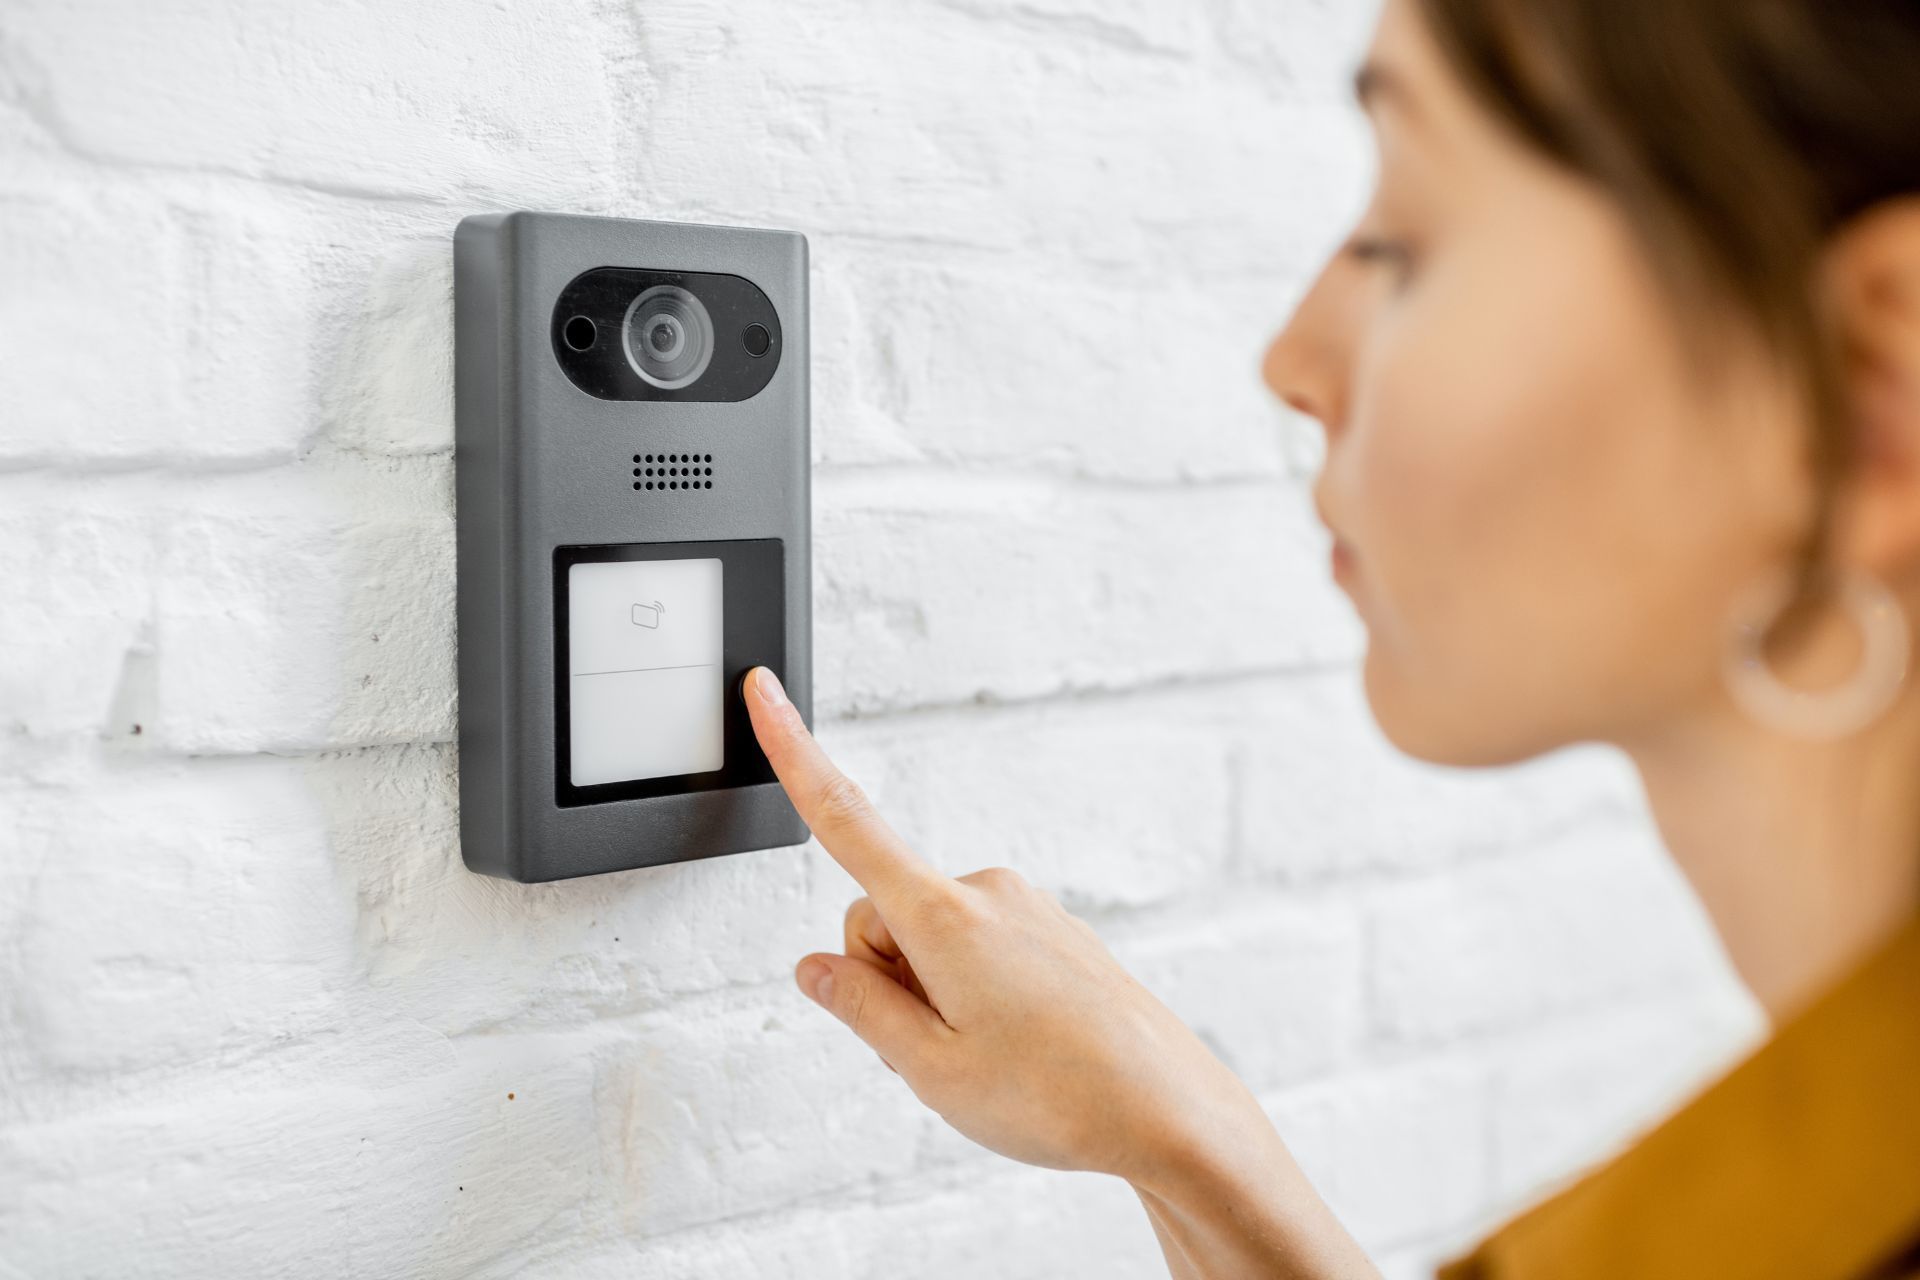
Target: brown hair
[(1737, 135)]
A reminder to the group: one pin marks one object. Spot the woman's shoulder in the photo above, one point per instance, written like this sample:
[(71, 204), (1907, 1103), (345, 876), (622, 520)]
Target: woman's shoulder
[(1802, 1161)]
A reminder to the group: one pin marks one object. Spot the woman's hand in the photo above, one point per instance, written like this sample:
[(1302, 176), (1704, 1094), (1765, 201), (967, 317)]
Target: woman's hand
[(1006, 1014), (1001, 1010)]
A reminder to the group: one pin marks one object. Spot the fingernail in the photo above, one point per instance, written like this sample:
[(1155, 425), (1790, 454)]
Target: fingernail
[(816, 980), (768, 686)]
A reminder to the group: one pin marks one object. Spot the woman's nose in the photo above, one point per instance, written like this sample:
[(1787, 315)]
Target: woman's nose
[(1307, 364)]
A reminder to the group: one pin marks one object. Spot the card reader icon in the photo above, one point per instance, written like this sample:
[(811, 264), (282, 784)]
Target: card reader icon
[(648, 615)]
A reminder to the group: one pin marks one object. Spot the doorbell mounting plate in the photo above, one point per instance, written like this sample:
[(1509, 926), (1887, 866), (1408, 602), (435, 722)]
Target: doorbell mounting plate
[(633, 507)]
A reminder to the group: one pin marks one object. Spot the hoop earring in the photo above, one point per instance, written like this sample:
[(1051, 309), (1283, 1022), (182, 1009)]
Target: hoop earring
[(1829, 713)]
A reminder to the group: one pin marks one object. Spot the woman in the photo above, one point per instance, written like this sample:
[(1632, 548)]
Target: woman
[(1620, 379)]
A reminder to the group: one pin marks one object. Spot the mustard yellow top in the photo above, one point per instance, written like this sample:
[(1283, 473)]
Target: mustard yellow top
[(1802, 1163)]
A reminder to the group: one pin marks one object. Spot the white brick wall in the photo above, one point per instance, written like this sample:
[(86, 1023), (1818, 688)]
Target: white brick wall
[(255, 1017)]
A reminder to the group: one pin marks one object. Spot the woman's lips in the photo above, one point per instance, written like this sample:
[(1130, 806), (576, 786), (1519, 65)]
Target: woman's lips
[(1343, 560), (1342, 557)]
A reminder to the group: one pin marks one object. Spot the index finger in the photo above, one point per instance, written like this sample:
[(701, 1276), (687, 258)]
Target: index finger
[(832, 805)]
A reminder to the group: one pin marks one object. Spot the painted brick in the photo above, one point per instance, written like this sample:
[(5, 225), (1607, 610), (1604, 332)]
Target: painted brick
[(1569, 1098), (303, 612), (422, 1168), (1274, 989), (1103, 807), (174, 914), (713, 1113), (1591, 917), (1321, 793), (1019, 589), (140, 329), (79, 574), (1399, 1154), (988, 133), (430, 99), (959, 361)]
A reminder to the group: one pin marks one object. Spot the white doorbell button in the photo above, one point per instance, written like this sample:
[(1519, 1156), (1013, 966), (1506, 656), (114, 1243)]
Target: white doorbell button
[(644, 665)]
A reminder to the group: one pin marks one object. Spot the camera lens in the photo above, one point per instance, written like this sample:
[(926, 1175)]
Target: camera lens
[(668, 336)]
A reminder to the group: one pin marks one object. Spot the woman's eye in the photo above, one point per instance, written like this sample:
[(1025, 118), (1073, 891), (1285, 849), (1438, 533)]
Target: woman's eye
[(1370, 249)]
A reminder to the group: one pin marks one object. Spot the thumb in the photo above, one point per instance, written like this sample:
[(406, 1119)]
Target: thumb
[(901, 1027)]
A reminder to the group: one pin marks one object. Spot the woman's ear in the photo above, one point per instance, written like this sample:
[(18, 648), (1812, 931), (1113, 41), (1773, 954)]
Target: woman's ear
[(1874, 276)]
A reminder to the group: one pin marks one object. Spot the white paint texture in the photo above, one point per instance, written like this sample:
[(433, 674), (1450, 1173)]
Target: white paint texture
[(255, 1017)]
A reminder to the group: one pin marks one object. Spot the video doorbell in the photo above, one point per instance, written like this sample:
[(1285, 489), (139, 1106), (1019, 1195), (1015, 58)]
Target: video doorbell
[(633, 508)]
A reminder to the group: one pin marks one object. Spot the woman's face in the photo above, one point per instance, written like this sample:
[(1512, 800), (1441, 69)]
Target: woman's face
[(1539, 515)]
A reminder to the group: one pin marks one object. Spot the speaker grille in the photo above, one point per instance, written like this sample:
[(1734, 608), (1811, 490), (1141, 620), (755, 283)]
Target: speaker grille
[(673, 473)]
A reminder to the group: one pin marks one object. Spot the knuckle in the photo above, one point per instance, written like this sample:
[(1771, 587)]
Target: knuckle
[(858, 911), (841, 801), (1002, 878), (852, 998), (948, 911)]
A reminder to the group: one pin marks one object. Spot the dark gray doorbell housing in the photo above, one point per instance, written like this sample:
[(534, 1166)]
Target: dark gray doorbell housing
[(633, 502)]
